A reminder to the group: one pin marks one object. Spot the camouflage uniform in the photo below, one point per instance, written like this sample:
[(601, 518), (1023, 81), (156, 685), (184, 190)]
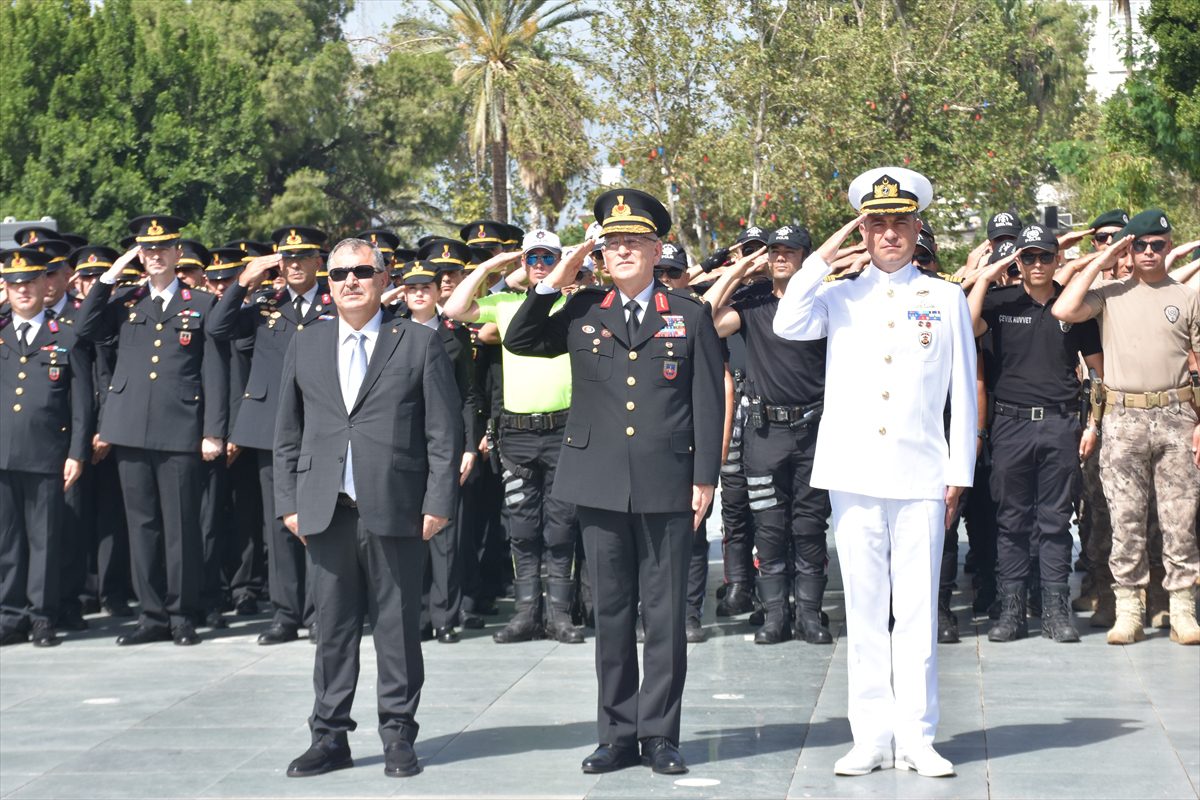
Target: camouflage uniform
[(1149, 451)]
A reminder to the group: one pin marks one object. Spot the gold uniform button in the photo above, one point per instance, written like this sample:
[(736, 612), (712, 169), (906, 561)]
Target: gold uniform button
[(632, 381), (158, 326), (885, 395), (595, 349), (24, 360), (629, 431), (569, 439), (158, 342), (20, 391), (247, 394), (887, 359), (153, 376), (17, 407), (632, 356), (630, 406), (891, 293), (300, 327), (883, 431), (153, 359), (891, 324), (21, 376)]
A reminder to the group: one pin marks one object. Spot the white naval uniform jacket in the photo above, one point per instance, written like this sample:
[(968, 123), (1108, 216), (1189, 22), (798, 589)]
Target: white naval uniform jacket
[(898, 344)]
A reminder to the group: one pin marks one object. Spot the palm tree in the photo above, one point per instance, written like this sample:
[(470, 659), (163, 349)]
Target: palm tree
[(1123, 7), (497, 46)]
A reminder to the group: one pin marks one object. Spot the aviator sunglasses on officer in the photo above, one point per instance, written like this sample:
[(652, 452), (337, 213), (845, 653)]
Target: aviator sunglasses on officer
[(360, 271)]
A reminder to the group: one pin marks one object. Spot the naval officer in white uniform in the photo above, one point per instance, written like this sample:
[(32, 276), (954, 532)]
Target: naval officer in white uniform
[(900, 344)]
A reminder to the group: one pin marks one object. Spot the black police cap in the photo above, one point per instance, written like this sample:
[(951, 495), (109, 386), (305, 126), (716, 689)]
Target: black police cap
[(298, 240), (485, 232), (446, 254), (23, 264), (631, 211), (794, 236), (1004, 223), (156, 230), (1037, 237)]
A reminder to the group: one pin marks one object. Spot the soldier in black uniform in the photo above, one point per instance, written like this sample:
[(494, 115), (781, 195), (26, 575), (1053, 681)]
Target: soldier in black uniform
[(786, 381), (167, 408), (448, 551), (46, 419), (193, 260), (1035, 439), (271, 319), (94, 503), (640, 459)]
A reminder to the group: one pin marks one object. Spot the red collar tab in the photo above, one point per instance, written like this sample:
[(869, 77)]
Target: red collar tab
[(660, 303), (608, 299), (186, 294), (52, 325), (326, 299)]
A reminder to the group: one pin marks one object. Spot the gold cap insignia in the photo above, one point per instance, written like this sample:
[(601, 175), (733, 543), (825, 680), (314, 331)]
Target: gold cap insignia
[(154, 229), (482, 232), (445, 251), (32, 237), (216, 262), (295, 238), (374, 239), (243, 246), (620, 209), (92, 258), (19, 261), (886, 188)]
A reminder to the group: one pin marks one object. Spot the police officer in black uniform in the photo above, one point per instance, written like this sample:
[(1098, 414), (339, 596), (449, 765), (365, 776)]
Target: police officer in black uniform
[(787, 391), (167, 408), (1036, 431), (271, 319), (46, 419), (640, 459)]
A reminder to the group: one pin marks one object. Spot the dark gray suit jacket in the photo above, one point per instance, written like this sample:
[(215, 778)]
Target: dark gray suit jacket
[(406, 427)]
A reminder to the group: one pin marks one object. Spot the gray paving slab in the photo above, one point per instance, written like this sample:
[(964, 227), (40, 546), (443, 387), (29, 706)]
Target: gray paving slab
[(222, 720)]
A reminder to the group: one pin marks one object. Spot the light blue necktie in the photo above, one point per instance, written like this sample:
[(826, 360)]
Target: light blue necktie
[(356, 370)]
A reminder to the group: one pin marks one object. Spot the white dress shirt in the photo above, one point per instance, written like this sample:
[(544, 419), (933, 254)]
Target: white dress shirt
[(35, 324), (58, 307), (642, 299), (166, 294), (347, 342), (310, 297), (898, 345)]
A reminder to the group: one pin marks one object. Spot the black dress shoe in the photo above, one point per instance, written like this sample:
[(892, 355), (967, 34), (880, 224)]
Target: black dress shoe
[(89, 605), (663, 757), (695, 631), (446, 635), (214, 620), (13, 636), (185, 635), (470, 621), (72, 621), (327, 754), (427, 634), (43, 635), (117, 608), (246, 606), (278, 633), (610, 758), (143, 634), (399, 760)]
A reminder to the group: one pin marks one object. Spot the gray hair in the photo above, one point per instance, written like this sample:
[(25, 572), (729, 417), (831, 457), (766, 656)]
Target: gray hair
[(358, 245)]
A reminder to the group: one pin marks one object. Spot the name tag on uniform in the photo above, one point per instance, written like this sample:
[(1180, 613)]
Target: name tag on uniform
[(673, 328)]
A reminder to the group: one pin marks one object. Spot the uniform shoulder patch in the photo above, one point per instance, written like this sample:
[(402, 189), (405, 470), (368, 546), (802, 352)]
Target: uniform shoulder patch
[(686, 294), (942, 276), (842, 276)]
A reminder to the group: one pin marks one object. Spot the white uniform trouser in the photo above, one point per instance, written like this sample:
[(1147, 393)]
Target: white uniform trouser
[(890, 550)]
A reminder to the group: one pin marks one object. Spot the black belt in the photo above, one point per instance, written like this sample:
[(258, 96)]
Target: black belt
[(1036, 413), (345, 500), (534, 422), (808, 414)]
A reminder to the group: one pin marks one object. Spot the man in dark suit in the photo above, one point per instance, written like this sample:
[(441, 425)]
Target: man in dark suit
[(45, 434), (367, 449), (166, 409), (270, 320), (641, 455)]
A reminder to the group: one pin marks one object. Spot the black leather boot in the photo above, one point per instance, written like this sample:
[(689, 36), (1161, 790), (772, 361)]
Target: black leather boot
[(985, 592), (947, 632), (1056, 613), (811, 624), (526, 624), (560, 594), (777, 627), (1012, 624), (737, 600)]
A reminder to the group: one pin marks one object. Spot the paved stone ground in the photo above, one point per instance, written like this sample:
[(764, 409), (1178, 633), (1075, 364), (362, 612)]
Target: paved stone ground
[(222, 720)]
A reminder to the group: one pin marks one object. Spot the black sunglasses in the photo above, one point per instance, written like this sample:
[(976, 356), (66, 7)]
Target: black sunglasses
[(1157, 246), (674, 273), (1029, 259), (1101, 238), (924, 259), (362, 272)]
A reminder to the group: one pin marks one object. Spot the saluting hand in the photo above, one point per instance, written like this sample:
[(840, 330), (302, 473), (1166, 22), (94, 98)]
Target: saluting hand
[(563, 274), (1072, 238), (829, 250), (257, 267), (114, 272)]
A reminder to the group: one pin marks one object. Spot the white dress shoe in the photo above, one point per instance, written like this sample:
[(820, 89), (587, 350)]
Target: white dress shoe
[(863, 759), (925, 761)]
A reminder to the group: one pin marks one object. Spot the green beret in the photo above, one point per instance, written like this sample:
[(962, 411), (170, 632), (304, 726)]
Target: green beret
[(1117, 217), (1148, 223)]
